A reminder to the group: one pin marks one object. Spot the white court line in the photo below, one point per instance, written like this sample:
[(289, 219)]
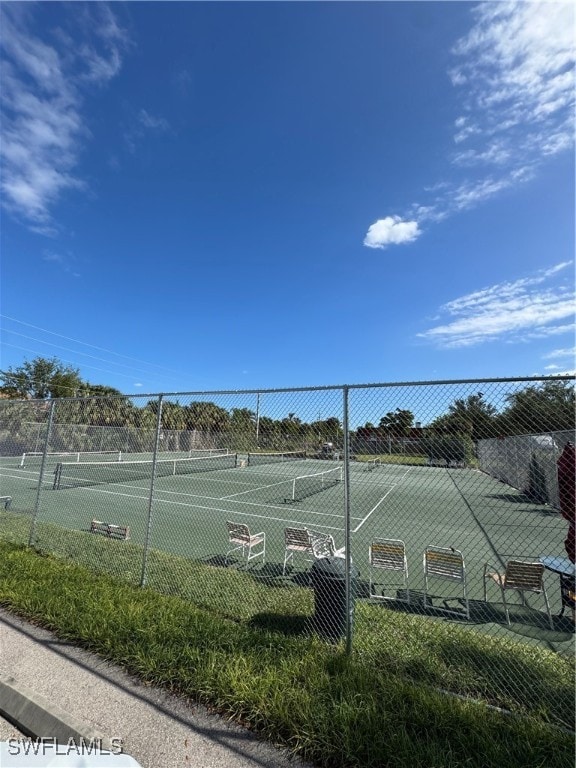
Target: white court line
[(35, 477), (213, 498), (268, 505), (393, 485), (374, 508), (258, 488), (218, 509)]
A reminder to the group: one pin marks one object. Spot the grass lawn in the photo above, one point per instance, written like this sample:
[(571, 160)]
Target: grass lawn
[(393, 458), (243, 647)]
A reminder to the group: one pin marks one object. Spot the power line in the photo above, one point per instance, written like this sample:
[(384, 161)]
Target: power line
[(75, 351), (71, 362), (85, 343)]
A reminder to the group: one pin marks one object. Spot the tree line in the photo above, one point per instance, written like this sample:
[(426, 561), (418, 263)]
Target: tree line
[(538, 407), (544, 407)]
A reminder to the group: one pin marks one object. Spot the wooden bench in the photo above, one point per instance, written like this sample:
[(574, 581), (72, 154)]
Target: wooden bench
[(109, 529), (6, 500)]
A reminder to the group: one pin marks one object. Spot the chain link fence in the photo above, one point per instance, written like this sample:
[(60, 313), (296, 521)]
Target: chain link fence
[(338, 509)]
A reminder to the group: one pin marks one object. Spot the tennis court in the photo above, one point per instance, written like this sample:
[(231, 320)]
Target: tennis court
[(194, 496)]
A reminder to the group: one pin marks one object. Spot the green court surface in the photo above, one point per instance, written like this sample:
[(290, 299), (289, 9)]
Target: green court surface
[(448, 507)]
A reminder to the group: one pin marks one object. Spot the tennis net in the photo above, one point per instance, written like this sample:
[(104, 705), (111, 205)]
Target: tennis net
[(34, 458), (76, 475), (191, 452), (274, 458), (307, 485)]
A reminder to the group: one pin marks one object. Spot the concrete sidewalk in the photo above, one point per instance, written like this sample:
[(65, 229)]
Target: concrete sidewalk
[(50, 688)]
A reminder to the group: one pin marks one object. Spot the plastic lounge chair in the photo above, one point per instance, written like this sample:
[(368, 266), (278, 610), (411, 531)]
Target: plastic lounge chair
[(323, 545), (239, 535), (522, 577), (446, 564), (388, 555), (296, 540)]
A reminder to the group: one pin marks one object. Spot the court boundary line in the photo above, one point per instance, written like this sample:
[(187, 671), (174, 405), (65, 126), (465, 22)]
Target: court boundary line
[(270, 505), (388, 492), (355, 530), (157, 491), (218, 509), (258, 488)]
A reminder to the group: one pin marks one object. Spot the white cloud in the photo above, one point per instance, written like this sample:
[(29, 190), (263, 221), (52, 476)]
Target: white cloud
[(144, 122), (152, 122), (41, 105), (556, 353), (66, 262), (514, 72), (525, 309), (391, 230)]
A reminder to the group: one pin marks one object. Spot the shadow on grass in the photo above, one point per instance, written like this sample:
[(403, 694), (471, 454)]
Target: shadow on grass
[(286, 625), (217, 561), (524, 620)]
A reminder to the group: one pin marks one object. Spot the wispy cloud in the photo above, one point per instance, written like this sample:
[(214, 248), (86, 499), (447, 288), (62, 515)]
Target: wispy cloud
[(514, 71), (43, 86), (560, 353), (66, 262), (530, 307), (143, 123), (391, 231)]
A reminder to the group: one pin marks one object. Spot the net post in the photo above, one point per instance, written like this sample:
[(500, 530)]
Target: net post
[(57, 476), (143, 576), (42, 470), (347, 548)]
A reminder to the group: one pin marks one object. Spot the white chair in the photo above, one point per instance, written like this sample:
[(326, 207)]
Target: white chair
[(296, 541), (323, 545), (388, 555), (448, 565), (521, 577), (239, 535)]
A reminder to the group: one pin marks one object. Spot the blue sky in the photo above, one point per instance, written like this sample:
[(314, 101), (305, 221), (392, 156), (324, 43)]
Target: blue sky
[(256, 195)]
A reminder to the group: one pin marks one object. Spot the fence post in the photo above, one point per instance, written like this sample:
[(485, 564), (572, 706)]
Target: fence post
[(347, 542), (151, 497), (42, 469)]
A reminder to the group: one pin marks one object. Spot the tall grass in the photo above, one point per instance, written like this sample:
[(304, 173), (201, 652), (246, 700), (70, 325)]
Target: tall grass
[(381, 707)]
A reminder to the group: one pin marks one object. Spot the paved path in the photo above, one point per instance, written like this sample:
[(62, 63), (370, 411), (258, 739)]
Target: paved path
[(68, 690)]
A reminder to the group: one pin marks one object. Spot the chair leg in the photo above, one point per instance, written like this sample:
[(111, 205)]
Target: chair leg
[(505, 606), (466, 602), (548, 608)]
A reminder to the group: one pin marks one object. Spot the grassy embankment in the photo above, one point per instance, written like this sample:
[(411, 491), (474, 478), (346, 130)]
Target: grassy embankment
[(242, 647)]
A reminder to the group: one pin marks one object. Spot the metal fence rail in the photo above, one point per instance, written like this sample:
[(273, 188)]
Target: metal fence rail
[(411, 488)]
